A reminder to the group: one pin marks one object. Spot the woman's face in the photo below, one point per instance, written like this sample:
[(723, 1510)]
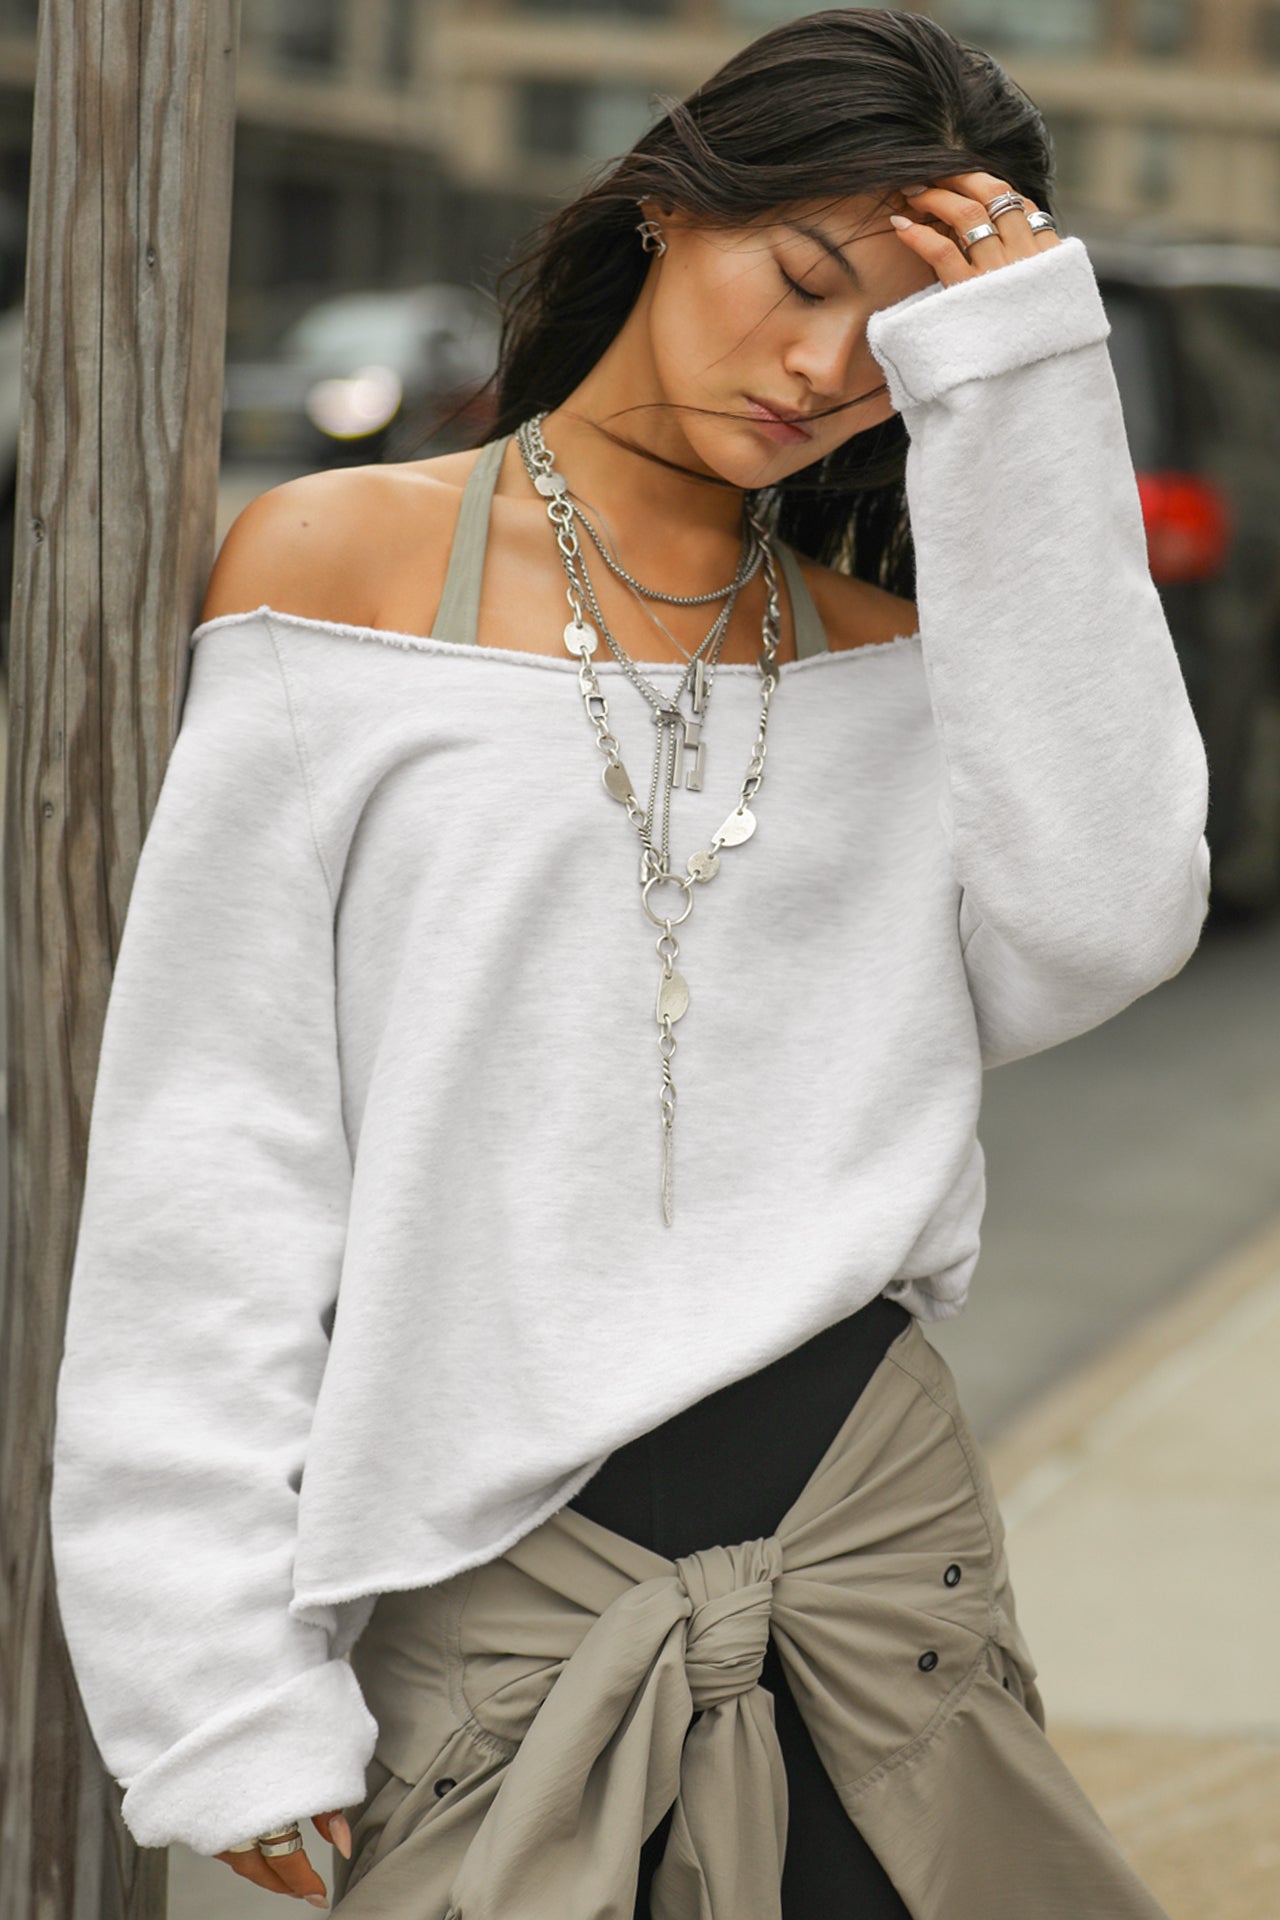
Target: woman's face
[(775, 312)]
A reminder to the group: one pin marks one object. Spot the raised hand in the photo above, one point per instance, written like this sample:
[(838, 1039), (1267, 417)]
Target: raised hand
[(953, 206)]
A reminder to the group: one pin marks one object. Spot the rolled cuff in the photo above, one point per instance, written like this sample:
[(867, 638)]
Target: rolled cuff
[(299, 1750), (939, 337)]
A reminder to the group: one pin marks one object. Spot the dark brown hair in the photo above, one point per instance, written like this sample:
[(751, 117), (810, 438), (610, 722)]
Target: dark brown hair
[(856, 100)]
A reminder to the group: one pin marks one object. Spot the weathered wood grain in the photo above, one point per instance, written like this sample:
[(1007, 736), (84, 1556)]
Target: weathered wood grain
[(124, 328)]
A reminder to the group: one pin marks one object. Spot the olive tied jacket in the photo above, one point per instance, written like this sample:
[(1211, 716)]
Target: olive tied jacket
[(539, 1714)]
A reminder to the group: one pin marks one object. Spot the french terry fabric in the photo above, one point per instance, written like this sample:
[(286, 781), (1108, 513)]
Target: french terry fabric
[(372, 1184)]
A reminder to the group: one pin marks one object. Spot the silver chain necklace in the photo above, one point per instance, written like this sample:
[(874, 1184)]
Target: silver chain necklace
[(688, 742), (652, 593), (640, 593), (581, 639)]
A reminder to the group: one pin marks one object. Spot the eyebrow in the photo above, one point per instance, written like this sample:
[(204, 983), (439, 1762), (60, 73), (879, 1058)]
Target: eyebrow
[(827, 244)]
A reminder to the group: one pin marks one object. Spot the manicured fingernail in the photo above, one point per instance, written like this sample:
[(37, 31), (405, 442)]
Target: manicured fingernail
[(911, 192), (341, 1834), (315, 1899), (900, 220)]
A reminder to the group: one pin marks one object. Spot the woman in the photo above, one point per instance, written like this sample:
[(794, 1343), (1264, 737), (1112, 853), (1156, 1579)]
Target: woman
[(669, 1572)]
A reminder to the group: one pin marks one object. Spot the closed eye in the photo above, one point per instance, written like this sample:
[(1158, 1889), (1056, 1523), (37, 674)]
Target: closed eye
[(810, 299)]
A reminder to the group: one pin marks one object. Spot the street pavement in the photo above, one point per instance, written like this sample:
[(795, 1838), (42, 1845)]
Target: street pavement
[(1141, 1499)]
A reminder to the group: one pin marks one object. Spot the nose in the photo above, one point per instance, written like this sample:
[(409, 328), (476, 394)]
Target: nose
[(826, 356)]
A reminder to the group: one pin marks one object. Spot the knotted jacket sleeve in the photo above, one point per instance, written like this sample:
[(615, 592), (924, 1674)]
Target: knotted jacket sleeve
[(1076, 785), (206, 1267)]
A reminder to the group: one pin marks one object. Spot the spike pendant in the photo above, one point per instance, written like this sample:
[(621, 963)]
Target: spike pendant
[(686, 763)]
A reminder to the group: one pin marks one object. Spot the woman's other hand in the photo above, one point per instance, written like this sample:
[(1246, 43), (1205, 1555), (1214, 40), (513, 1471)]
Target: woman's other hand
[(293, 1873), (956, 203)]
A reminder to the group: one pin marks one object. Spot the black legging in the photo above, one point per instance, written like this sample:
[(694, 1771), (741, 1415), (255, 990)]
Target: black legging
[(725, 1470)]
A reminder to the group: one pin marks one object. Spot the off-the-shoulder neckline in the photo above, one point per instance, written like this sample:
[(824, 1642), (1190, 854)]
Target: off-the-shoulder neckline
[(430, 643)]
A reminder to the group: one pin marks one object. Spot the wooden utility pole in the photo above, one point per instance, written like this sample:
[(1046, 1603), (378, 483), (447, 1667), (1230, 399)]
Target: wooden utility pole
[(117, 481)]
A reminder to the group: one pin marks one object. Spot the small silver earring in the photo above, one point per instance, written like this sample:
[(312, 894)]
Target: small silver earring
[(651, 236)]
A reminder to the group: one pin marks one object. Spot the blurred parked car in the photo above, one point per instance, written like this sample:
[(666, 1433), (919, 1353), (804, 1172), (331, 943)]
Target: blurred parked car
[(1195, 342), (355, 366)]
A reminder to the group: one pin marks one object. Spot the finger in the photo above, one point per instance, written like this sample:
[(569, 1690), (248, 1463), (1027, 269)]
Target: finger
[(333, 1827), (257, 1871), (938, 249), (962, 212), (1012, 224), (297, 1872)]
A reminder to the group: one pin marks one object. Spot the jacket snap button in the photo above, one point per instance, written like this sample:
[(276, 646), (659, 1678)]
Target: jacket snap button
[(927, 1662), (952, 1575), (444, 1786)]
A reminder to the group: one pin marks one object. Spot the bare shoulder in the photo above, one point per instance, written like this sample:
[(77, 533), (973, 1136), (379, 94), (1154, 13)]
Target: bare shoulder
[(856, 613), (322, 545)]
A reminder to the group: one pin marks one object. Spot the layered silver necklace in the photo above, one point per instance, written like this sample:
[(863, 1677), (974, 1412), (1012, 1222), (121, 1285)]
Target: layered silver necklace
[(679, 735)]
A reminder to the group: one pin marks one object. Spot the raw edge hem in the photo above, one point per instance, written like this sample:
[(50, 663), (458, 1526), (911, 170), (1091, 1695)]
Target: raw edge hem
[(399, 1583)]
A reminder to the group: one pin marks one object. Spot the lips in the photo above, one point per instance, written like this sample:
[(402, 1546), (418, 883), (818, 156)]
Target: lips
[(786, 426), (790, 416)]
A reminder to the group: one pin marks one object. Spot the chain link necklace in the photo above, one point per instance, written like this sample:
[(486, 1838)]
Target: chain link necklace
[(688, 742), (581, 639), (640, 593)]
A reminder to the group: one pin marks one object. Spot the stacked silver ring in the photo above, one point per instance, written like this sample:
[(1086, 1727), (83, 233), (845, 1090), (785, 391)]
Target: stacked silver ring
[(272, 1846), (1006, 203)]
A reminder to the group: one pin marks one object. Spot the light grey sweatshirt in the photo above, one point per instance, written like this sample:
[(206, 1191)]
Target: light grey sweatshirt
[(371, 1272)]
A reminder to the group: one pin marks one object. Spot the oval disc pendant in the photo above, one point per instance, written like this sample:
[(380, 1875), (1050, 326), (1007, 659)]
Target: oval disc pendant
[(703, 866), (673, 996), (737, 828), (581, 639), (616, 780), (549, 484)]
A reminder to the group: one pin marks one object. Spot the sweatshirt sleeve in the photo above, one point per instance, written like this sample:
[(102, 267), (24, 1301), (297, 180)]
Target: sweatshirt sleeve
[(205, 1271), (1076, 786)]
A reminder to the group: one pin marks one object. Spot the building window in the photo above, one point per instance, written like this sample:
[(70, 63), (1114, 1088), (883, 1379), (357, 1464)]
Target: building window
[(398, 47), (1155, 158), (548, 118), (1026, 26), (18, 16), (303, 229), (761, 13), (1163, 26), (1268, 30), (304, 35), (1071, 134), (603, 9), (614, 119), (567, 120)]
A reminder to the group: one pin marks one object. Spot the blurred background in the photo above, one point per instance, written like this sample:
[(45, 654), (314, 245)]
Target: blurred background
[(389, 155)]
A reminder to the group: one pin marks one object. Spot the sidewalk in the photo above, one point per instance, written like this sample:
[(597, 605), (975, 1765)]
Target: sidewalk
[(1142, 1504)]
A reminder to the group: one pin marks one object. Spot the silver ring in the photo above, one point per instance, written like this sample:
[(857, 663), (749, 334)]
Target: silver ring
[(983, 232), (273, 1846), (1005, 203), (246, 1846), (1042, 223)]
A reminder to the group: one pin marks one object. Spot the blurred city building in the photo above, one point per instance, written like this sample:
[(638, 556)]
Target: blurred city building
[(392, 142)]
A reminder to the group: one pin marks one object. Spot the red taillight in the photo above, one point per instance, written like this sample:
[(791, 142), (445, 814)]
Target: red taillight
[(1188, 527)]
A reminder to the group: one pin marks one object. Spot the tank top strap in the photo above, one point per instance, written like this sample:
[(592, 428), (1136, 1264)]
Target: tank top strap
[(811, 635), (457, 616)]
